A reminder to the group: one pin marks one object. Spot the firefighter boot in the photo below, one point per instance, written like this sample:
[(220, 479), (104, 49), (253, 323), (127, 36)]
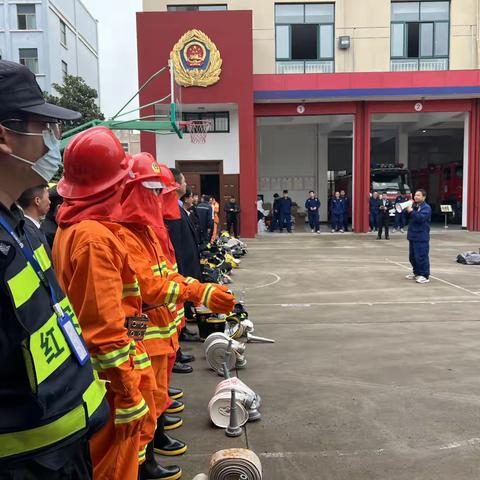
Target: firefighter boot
[(172, 422), (150, 469), (165, 445)]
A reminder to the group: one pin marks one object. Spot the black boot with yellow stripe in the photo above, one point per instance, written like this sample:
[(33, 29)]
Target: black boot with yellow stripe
[(172, 422), (175, 393), (176, 407), (164, 444), (150, 469)]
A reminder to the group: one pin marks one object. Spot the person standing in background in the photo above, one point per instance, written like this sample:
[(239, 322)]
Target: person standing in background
[(216, 209), (35, 205), (205, 218), (275, 214), (346, 201), (49, 225), (312, 206), (232, 210), (285, 209), (373, 211), (400, 217), (383, 216), (337, 212)]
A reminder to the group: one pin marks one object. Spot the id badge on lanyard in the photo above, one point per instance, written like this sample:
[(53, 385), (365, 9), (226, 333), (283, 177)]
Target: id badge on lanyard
[(74, 340)]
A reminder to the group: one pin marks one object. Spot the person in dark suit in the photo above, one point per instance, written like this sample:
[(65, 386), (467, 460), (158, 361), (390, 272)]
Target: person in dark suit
[(205, 218), (35, 204), (275, 213), (183, 237), (383, 216), (49, 225), (191, 210), (232, 211)]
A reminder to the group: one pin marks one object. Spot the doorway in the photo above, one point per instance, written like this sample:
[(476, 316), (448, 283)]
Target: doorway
[(210, 185)]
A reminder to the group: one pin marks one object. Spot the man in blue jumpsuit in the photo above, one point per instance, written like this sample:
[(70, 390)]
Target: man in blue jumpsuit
[(285, 208), (418, 237), (347, 207), (337, 211), (275, 213), (312, 206), (400, 217), (373, 209)]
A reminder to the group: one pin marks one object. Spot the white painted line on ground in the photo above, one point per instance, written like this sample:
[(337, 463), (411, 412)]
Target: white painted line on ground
[(469, 443), (437, 278), (370, 304), (277, 279)]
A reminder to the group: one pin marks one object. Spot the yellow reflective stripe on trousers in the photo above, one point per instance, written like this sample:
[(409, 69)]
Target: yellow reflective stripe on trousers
[(23, 285), (125, 415), (131, 290), (141, 361), (160, 332), (207, 295), (172, 293), (35, 438), (48, 349), (112, 359)]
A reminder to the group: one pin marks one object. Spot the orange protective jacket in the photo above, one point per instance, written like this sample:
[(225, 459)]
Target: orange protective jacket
[(95, 269), (160, 285)]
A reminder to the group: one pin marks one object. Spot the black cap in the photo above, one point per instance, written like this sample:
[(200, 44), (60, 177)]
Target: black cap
[(20, 92)]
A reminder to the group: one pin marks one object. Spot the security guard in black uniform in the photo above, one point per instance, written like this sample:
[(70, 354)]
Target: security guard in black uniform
[(50, 399)]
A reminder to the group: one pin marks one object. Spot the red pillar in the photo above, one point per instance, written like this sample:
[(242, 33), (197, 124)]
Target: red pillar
[(473, 214), (361, 168)]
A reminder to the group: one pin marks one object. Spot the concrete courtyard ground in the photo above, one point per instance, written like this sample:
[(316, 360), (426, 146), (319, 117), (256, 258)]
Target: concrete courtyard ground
[(372, 376)]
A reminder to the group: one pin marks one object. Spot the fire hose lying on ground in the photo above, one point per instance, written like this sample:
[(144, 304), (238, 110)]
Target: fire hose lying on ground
[(233, 464)]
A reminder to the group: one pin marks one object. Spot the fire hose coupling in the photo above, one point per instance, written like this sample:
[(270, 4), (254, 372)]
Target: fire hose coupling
[(233, 464)]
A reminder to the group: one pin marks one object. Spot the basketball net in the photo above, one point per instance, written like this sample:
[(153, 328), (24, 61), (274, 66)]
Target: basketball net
[(198, 130)]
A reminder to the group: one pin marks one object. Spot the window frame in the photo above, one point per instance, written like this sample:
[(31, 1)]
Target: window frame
[(26, 15), (420, 23), (37, 72), (64, 70), (197, 7), (208, 116), (318, 25), (63, 34)]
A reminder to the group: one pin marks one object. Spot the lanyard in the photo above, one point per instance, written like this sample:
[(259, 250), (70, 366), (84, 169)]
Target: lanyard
[(28, 254)]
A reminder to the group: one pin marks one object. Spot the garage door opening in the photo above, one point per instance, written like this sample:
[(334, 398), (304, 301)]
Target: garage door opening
[(421, 150)]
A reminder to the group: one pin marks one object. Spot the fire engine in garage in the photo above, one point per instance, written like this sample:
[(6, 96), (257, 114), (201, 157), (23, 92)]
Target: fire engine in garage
[(444, 186), (389, 179)]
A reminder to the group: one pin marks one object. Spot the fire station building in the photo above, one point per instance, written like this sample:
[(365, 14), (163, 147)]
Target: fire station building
[(355, 94)]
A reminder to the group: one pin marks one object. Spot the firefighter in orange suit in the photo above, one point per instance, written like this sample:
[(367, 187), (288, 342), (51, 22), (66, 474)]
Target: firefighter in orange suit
[(159, 284), (96, 271), (216, 219)]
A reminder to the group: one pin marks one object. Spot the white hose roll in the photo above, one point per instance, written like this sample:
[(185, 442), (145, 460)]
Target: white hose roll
[(216, 356), (235, 464), (219, 410), (214, 336)]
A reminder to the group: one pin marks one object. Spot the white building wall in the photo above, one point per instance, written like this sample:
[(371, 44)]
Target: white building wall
[(219, 146), (82, 61)]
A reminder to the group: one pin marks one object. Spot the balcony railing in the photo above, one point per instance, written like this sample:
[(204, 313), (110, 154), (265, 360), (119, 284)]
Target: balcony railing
[(414, 64), (324, 66)]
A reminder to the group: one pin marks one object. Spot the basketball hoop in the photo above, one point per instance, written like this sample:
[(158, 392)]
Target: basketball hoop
[(198, 130)]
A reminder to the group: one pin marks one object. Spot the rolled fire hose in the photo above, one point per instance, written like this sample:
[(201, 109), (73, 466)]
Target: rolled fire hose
[(235, 464), (216, 356)]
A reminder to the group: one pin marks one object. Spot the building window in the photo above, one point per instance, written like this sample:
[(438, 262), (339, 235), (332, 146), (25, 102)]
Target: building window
[(64, 70), (220, 121), (195, 8), (26, 17), (304, 37), (63, 33), (29, 58), (420, 35)]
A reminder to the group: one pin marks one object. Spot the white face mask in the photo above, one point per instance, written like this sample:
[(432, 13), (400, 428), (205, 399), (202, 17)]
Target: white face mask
[(47, 165)]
